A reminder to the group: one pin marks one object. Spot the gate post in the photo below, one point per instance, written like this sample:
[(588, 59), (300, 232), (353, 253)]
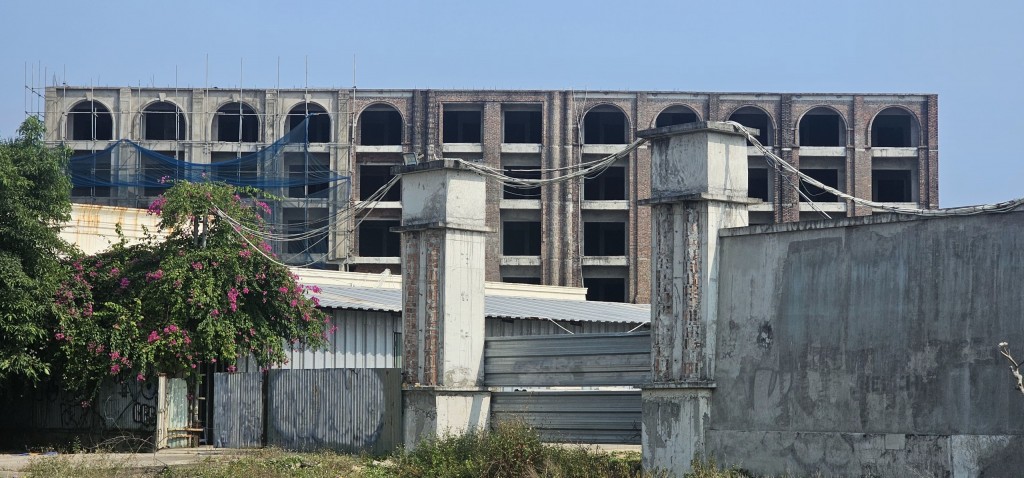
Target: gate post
[(698, 186), (443, 232)]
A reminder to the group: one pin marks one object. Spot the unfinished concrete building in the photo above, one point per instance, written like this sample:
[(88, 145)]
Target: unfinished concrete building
[(588, 233)]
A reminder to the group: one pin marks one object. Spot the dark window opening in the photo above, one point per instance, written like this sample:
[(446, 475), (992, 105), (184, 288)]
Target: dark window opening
[(306, 181), (605, 289), (828, 177), (163, 121), (90, 174), (318, 126), (521, 172), (462, 127), (380, 127), (377, 240), (609, 185), (890, 185), (821, 129), (755, 118), (757, 183), (675, 115), (237, 122), (235, 172), (315, 244), (90, 121), (604, 239), (891, 131), (521, 280), (159, 175), (520, 238), (523, 127), (372, 178), (604, 127)]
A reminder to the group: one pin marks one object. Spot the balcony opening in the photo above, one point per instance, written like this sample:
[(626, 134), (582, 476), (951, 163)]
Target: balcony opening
[(523, 127), (90, 121), (521, 172), (891, 185), (605, 125), (828, 177), (374, 177), (225, 167), (609, 185), (318, 128), (520, 238), (753, 117), (236, 122), (894, 128), (163, 121), (380, 125), (462, 126), (308, 175), (90, 174), (377, 240), (674, 115), (822, 127), (604, 238), (312, 222), (605, 289), (521, 280), (757, 183)]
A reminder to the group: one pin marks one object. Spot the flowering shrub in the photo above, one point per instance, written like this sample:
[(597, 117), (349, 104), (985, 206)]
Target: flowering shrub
[(205, 294)]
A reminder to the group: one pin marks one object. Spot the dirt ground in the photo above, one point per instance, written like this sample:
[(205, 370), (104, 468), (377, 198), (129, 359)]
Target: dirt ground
[(11, 464)]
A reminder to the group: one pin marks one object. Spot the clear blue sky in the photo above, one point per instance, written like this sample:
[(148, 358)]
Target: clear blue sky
[(970, 53)]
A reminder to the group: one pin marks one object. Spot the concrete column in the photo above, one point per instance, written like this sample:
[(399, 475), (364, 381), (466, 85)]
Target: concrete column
[(698, 186), (443, 242)]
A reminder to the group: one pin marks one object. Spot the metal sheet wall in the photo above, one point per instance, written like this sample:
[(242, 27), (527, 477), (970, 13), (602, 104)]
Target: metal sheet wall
[(348, 410), (568, 360), (238, 410), (496, 327), (574, 417), (178, 435), (129, 406)]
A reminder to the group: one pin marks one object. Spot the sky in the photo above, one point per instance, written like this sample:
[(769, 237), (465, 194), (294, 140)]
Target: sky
[(969, 53)]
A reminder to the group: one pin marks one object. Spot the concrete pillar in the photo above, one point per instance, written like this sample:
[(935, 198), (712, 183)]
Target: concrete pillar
[(443, 242), (698, 186)]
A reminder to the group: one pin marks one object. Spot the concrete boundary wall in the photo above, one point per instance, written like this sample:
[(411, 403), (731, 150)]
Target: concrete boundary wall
[(868, 346)]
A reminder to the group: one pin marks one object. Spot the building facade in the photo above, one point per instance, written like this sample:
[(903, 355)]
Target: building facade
[(589, 232)]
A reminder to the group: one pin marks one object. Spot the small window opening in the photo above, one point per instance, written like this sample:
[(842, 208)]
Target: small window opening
[(234, 172), (604, 125), (605, 289), (372, 178), (163, 121), (893, 128), (521, 172), (159, 175), (828, 177), (609, 185), (752, 117), (462, 126), (521, 280), (822, 127), (520, 238), (308, 180), (237, 122), (377, 240), (316, 243), (90, 121), (675, 115), (523, 127), (891, 185), (757, 183), (318, 128), (380, 125), (604, 238), (90, 177)]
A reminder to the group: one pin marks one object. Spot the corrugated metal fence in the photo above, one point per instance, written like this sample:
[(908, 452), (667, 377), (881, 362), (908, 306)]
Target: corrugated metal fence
[(596, 361), (348, 410)]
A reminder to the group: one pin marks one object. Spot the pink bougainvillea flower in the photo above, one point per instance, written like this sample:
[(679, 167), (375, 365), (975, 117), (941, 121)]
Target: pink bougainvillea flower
[(140, 377), (153, 337)]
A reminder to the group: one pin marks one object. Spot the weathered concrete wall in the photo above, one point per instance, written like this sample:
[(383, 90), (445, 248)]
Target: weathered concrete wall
[(869, 346)]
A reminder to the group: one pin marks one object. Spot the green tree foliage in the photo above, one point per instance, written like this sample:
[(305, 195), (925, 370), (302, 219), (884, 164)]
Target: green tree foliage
[(34, 201), (208, 292)]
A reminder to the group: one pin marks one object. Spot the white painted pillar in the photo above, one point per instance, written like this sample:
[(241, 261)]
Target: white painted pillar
[(698, 186), (443, 243)]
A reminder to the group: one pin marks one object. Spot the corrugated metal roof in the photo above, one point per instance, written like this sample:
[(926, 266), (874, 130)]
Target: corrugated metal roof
[(390, 300)]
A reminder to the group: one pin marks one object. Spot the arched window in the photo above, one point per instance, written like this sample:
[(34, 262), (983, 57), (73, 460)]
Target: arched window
[(90, 120), (236, 122), (822, 127), (754, 117), (674, 115), (895, 128), (318, 128), (380, 125), (163, 120), (605, 125)]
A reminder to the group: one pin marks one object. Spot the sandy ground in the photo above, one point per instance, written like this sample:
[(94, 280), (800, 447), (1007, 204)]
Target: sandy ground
[(11, 464)]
